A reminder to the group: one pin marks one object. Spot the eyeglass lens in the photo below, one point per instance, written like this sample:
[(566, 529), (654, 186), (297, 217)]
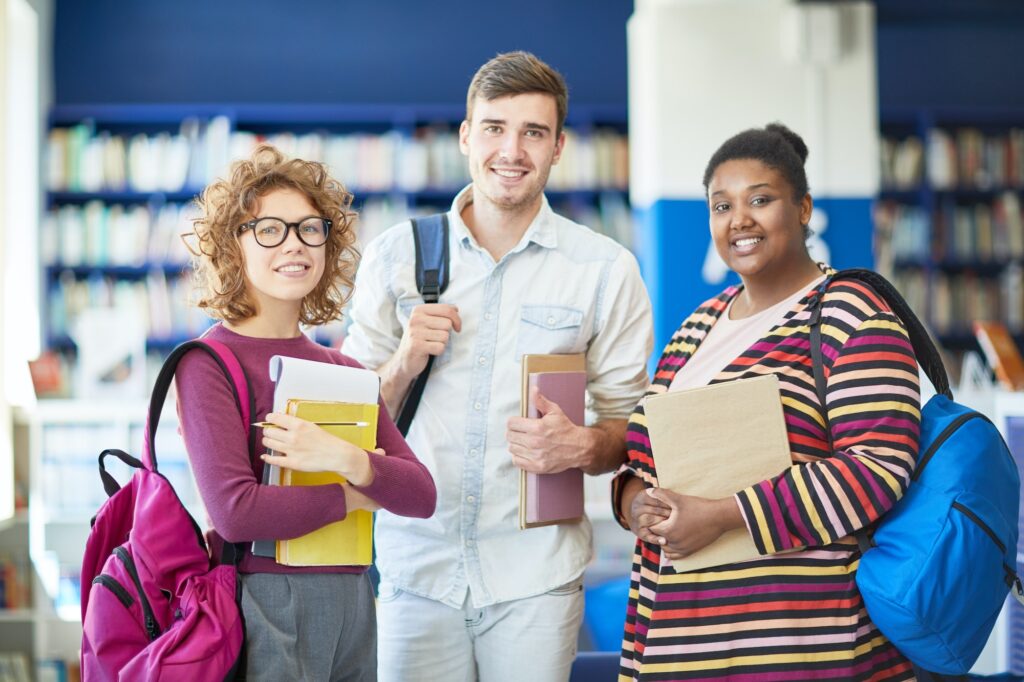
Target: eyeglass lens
[(273, 231)]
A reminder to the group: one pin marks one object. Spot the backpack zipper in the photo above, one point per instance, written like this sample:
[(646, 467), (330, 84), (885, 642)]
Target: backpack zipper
[(981, 524), (111, 584), (151, 627)]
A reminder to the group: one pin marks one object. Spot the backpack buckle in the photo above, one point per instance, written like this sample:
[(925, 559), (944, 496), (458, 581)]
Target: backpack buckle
[(431, 291)]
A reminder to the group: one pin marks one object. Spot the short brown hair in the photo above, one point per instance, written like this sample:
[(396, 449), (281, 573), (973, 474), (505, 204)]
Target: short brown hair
[(518, 73), (218, 263)]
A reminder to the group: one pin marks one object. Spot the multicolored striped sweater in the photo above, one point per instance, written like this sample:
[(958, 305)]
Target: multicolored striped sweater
[(796, 615)]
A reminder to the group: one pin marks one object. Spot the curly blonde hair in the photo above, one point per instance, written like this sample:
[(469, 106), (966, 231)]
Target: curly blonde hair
[(218, 263)]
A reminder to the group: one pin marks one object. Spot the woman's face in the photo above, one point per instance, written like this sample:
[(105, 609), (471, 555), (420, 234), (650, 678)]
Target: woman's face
[(757, 228), (286, 273)]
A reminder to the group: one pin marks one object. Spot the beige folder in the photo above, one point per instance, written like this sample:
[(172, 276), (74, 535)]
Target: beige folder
[(713, 441)]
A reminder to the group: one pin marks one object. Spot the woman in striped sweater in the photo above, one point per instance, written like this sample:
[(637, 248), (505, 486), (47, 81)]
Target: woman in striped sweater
[(783, 616)]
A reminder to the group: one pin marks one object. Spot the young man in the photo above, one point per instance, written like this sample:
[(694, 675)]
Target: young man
[(466, 594)]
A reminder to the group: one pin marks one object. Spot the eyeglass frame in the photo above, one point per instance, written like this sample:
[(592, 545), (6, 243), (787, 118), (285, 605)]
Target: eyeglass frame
[(251, 225)]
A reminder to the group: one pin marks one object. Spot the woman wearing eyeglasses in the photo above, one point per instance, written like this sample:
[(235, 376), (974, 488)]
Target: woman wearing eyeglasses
[(274, 248)]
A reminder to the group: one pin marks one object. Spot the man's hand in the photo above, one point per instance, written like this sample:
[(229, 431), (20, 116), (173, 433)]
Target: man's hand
[(430, 328), (429, 331), (693, 522), (303, 446), (549, 444)]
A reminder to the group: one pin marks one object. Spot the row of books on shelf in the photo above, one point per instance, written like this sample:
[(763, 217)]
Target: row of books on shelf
[(163, 303), (952, 302), (981, 232), (98, 235), (82, 158), (71, 486), (964, 158), (14, 667), (15, 581)]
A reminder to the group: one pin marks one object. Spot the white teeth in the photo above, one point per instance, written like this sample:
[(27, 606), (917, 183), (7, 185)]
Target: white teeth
[(509, 173), (292, 268), (747, 242)]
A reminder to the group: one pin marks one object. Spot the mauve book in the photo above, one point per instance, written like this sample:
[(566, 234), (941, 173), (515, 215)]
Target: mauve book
[(555, 498)]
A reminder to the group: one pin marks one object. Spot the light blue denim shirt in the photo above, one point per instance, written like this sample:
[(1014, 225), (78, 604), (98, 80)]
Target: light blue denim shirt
[(562, 289)]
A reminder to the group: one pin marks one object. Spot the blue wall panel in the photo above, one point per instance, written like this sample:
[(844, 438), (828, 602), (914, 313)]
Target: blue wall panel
[(332, 51), (961, 54)]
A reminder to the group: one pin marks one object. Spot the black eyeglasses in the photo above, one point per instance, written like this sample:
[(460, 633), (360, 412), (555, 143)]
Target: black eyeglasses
[(271, 232)]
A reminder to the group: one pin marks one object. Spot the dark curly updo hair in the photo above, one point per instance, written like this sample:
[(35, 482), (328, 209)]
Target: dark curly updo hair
[(775, 145)]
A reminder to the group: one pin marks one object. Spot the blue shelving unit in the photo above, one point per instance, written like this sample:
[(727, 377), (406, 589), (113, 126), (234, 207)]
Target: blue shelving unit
[(103, 121), (950, 268)]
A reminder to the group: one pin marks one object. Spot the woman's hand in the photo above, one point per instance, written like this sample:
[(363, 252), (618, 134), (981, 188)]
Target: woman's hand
[(642, 510), (303, 446), (693, 522)]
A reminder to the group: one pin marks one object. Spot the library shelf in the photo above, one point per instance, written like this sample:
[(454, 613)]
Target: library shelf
[(949, 225), (129, 174)]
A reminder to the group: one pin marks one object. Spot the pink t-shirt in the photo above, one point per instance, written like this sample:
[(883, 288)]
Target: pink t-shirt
[(728, 338)]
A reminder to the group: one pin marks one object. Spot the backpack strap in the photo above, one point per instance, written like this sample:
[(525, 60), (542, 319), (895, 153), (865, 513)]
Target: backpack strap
[(924, 348), (925, 351), (231, 368), (430, 236)]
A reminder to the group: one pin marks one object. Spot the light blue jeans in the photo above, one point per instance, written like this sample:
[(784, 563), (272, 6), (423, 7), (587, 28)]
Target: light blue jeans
[(527, 639)]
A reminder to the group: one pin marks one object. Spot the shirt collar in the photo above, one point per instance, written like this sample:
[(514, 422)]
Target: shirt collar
[(541, 231)]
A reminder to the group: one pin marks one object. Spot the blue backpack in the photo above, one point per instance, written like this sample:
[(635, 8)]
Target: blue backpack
[(936, 571)]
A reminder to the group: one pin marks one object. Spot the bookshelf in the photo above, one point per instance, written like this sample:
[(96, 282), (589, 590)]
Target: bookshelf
[(63, 438), (949, 223), (121, 178)]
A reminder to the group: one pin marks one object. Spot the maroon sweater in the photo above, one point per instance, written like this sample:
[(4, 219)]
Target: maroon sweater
[(240, 508)]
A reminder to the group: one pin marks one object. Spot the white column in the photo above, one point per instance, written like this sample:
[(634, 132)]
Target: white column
[(701, 71)]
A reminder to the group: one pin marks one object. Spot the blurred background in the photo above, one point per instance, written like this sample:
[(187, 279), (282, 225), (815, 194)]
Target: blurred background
[(115, 113)]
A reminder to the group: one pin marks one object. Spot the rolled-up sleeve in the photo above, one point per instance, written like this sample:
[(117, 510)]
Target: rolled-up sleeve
[(618, 353)]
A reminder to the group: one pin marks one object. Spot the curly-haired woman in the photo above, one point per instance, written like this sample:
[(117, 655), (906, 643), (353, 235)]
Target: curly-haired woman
[(273, 249)]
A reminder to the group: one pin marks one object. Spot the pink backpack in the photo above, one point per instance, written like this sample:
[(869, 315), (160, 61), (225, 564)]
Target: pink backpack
[(154, 606)]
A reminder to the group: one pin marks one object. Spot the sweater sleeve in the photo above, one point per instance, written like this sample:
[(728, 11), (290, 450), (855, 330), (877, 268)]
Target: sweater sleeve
[(873, 403), (240, 508), (401, 483)]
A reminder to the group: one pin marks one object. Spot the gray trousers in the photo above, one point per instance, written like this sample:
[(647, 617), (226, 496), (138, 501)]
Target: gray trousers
[(313, 627)]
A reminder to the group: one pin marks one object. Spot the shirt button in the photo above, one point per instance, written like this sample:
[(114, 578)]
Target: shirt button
[(469, 543), (477, 406), (482, 360), (470, 499), (473, 452), (488, 316), (551, 320)]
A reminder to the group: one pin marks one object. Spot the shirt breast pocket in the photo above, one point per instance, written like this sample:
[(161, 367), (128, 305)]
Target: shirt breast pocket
[(549, 329), (403, 309)]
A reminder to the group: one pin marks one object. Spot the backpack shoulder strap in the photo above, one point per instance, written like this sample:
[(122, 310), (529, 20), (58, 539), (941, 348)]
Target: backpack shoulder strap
[(926, 352), (430, 236), (231, 368)]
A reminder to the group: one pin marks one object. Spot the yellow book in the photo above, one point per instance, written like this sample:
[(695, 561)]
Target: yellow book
[(348, 542)]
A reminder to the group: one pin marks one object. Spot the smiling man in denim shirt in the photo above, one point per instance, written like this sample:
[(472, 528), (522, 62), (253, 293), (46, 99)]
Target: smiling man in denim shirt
[(466, 594)]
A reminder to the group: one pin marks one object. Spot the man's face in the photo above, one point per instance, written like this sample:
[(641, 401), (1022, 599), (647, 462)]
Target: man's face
[(511, 143)]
